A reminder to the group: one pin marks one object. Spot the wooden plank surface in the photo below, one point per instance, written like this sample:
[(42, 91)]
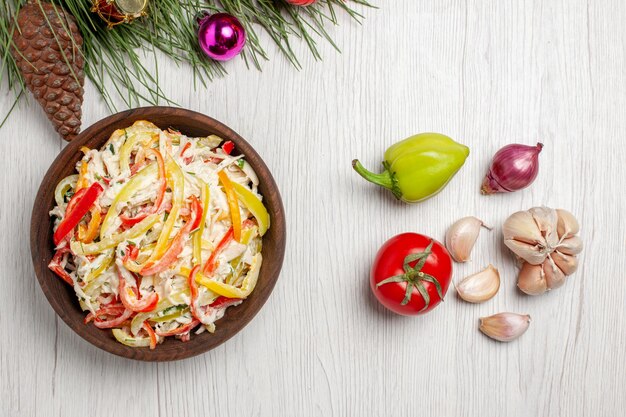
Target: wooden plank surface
[(484, 72)]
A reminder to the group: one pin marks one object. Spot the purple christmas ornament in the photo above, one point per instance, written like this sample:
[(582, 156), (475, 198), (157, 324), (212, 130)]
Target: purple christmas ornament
[(221, 36)]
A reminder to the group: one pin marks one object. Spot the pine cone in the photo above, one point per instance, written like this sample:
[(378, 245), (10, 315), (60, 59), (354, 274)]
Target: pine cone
[(42, 48)]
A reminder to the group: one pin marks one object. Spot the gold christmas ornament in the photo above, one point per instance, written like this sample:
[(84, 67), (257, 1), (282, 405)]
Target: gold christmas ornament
[(115, 12)]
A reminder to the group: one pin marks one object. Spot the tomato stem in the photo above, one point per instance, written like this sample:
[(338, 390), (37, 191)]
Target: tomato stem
[(415, 277)]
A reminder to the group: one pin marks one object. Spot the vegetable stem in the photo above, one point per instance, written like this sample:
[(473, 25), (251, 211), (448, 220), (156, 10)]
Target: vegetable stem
[(385, 179)]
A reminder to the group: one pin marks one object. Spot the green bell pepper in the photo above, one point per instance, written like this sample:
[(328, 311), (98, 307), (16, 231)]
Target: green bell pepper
[(418, 167)]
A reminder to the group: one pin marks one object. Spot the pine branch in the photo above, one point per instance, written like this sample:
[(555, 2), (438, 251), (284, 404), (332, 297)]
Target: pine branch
[(118, 54)]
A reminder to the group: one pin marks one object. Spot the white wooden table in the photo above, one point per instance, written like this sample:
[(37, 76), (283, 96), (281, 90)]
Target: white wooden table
[(487, 73)]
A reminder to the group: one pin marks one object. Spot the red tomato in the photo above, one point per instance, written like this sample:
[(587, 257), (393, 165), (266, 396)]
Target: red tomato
[(406, 271)]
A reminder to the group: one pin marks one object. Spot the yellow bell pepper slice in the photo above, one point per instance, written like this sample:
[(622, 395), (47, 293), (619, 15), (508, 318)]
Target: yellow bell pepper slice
[(142, 258), (146, 250), (91, 288), (246, 236), (63, 186), (114, 240), (125, 151), (130, 188), (87, 234), (106, 262), (254, 205), (179, 311), (140, 133), (230, 291), (128, 340), (82, 177), (165, 303), (205, 194), (233, 204), (176, 183)]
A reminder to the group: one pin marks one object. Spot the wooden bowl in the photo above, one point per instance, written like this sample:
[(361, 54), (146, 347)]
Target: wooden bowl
[(62, 297)]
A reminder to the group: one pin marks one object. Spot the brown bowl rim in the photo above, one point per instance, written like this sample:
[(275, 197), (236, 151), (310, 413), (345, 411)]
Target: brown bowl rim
[(41, 252)]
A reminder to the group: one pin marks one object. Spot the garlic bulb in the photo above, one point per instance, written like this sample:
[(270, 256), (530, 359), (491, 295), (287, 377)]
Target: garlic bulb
[(505, 327), (545, 240), (461, 237), (481, 286)]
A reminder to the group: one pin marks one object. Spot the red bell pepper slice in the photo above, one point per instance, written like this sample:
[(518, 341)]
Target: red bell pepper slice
[(210, 265), (75, 198), (114, 322), (61, 273), (132, 252), (131, 221), (228, 147), (72, 203), (223, 302), (136, 168), (78, 210), (132, 301), (179, 330), (187, 146), (153, 337), (110, 310), (177, 244), (196, 212), (55, 266)]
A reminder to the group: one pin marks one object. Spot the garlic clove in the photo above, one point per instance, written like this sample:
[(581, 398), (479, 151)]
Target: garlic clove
[(523, 237), (532, 280), (461, 237), (533, 254), (547, 221), (505, 327), (566, 263), (554, 276), (571, 246), (481, 286), (567, 224), (521, 227)]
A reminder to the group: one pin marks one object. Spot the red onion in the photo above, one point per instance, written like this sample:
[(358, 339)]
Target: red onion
[(513, 167)]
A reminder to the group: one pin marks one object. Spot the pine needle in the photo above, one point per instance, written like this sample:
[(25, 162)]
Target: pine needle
[(170, 27)]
